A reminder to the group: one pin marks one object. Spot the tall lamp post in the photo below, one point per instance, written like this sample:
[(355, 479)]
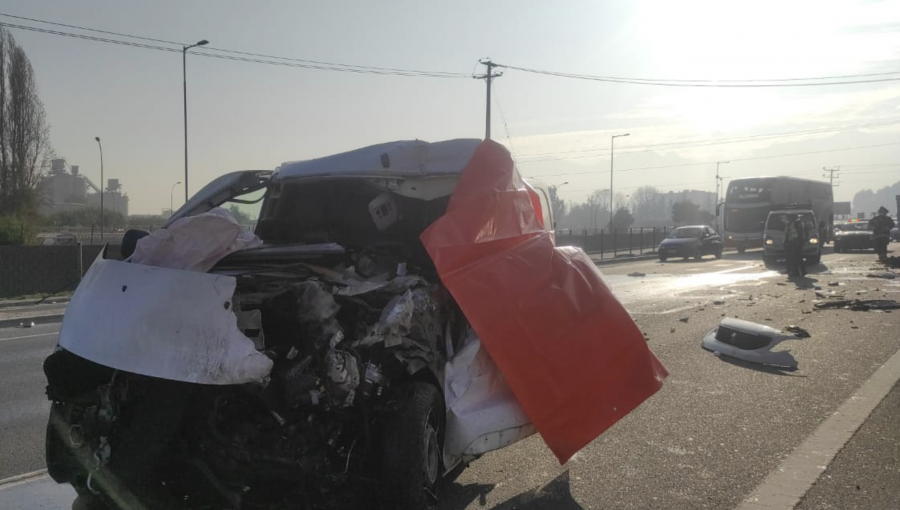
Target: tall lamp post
[(171, 203), (184, 50), (100, 145), (612, 210), (718, 184)]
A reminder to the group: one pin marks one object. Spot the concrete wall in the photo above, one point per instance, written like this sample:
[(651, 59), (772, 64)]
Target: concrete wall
[(28, 270)]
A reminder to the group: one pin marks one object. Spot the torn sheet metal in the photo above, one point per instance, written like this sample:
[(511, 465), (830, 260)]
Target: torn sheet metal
[(749, 341), (860, 305), (166, 323), (572, 355), (482, 411), (194, 243)]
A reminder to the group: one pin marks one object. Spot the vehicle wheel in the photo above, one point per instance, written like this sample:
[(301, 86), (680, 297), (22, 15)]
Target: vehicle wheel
[(413, 440), (768, 261), (88, 502), (698, 254), (837, 248), (662, 258), (719, 253), (814, 259), (741, 249)]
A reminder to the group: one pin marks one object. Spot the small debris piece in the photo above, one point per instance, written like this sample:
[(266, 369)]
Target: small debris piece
[(780, 283), (834, 284), (684, 319), (854, 327), (886, 275), (637, 274), (861, 292), (768, 319), (719, 302), (797, 331), (672, 330), (802, 301)]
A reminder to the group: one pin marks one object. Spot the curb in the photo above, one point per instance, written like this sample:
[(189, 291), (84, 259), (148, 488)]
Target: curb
[(16, 304), (40, 319), (623, 259), (24, 477)]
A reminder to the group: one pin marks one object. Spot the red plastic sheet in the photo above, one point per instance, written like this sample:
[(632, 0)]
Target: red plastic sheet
[(569, 350)]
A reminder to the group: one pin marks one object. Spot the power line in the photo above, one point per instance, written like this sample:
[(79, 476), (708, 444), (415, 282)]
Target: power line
[(732, 160), (705, 142), (285, 61), (782, 82), (505, 125)]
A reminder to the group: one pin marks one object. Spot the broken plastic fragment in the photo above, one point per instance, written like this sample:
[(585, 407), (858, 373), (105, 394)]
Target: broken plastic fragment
[(750, 342)]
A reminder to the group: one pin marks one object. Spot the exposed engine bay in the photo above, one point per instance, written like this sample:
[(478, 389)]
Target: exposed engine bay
[(348, 333)]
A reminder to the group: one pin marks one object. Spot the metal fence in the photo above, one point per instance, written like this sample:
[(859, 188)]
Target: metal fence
[(611, 243)]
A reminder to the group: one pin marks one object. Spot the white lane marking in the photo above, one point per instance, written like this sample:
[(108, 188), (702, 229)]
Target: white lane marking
[(28, 336), (6, 483), (788, 483)]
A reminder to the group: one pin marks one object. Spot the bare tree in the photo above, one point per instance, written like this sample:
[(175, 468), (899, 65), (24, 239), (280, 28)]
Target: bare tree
[(644, 201), (24, 134)]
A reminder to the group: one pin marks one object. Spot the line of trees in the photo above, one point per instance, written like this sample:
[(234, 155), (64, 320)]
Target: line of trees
[(25, 149), (645, 202)]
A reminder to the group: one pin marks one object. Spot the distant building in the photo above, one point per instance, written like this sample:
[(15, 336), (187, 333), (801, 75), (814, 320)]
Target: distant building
[(63, 190)]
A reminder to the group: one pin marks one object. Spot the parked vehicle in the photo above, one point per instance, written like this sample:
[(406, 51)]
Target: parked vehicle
[(219, 368), (895, 234), (777, 221), (694, 241), (749, 201), (853, 235)]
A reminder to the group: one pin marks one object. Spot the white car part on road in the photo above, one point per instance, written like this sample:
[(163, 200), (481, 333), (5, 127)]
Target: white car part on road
[(750, 342)]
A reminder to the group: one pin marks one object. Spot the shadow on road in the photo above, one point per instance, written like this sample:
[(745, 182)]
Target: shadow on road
[(767, 369), (555, 495)]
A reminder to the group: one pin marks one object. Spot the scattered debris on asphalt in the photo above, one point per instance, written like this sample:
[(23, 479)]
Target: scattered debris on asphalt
[(780, 283), (637, 274), (751, 342), (834, 284), (886, 275), (684, 319), (672, 330), (860, 305), (830, 294), (798, 331), (719, 302)]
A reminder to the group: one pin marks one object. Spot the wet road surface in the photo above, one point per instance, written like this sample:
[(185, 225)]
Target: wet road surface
[(706, 440)]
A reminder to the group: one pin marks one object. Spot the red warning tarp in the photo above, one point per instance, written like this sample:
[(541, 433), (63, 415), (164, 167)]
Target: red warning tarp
[(569, 350)]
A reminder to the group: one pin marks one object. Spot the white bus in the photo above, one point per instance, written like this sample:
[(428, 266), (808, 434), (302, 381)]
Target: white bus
[(748, 202)]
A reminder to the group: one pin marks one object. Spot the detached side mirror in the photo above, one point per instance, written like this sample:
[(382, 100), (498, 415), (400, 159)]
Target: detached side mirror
[(129, 241)]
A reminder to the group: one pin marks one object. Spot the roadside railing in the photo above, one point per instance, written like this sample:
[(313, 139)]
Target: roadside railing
[(615, 242)]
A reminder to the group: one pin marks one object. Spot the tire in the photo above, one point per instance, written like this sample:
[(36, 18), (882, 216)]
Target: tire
[(412, 446), (814, 259), (662, 258), (837, 248), (741, 249), (719, 253), (768, 261), (698, 254)]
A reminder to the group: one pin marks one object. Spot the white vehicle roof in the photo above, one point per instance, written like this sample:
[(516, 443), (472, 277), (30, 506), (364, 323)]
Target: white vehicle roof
[(405, 158)]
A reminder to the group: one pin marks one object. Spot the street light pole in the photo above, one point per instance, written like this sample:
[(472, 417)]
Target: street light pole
[(612, 210), (718, 184), (101, 186), (184, 81), (171, 206)]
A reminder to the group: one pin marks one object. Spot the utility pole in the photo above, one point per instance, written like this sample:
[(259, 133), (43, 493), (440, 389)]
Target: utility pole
[(831, 175), (488, 76), (719, 180)]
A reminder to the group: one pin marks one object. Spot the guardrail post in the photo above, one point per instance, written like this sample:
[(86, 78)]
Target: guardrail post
[(601, 244)]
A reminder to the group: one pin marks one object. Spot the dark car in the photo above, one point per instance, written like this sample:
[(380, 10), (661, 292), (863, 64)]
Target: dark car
[(693, 241), (853, 235)]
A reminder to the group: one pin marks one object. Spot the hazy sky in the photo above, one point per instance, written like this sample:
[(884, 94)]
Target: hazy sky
[(245, 115)]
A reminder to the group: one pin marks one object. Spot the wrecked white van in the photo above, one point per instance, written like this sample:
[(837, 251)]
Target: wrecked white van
[(216, 368)]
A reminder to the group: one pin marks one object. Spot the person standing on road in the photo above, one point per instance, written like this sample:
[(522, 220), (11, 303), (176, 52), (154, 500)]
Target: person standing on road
[(881, 226), (794, 238)]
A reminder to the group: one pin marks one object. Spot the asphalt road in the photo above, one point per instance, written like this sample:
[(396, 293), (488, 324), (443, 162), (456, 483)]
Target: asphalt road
[(706, 440), (23, 405)]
